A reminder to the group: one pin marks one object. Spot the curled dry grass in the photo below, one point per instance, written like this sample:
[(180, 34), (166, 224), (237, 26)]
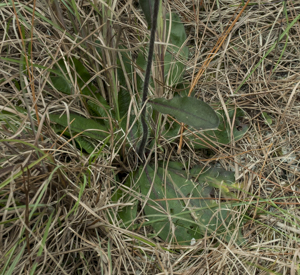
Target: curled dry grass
[(57, 216)]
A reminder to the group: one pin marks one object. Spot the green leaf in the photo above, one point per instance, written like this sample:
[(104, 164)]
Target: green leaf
[(171, 130), (83, 76), (60, 80), (128, 213), (63, 84), (16, 259), (177, 35), (223, 134), (98, 106), (89, 127), (141, 62), (82, 142), (147, 7), (177, 205), (268, 119), (124, 98), (176, 55), (215, 177), (191, 111), (164, 214), (85, 144), (135, 131)]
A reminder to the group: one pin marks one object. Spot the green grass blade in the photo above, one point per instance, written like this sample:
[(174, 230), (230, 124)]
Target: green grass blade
[(268, 52), (15, 262), (42, 245)]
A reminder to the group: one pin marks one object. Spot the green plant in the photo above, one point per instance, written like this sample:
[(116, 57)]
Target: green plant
[(267, 118), (173, 203), (181, 209)]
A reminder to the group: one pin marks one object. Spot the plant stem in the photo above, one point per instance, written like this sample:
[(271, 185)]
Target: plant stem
[(147, 80)]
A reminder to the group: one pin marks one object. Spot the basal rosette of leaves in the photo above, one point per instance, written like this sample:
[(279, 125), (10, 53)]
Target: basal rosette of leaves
[(167, 203), (179, 208)]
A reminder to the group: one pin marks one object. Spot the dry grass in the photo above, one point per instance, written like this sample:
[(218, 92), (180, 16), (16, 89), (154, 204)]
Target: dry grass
[(56, 214)]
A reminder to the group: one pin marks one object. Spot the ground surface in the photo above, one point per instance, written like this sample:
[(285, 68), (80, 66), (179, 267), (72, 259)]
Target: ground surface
[(57, 215)]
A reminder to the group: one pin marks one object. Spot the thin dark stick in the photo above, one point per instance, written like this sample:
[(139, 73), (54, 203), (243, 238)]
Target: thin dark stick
[(146, 82)]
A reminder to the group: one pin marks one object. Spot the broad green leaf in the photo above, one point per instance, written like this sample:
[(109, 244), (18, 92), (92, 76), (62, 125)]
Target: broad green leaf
[(215, 177), (177, 35), (81, 76), (98, 106), (135, 131), (176, 55), (223, 134), (191, 111), (147, 7), (89, 127), (63, 84), (82, 142), (179, 209), (128, 213), (85, 144), (124, 98), (165, 214), (171, 130)]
